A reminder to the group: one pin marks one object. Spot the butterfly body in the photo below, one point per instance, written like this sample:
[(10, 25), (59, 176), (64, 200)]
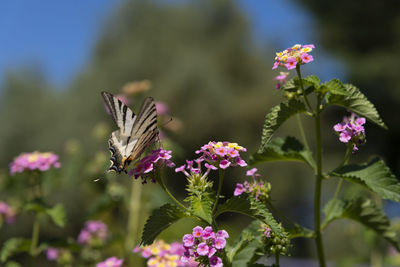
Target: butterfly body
[(135, 133)]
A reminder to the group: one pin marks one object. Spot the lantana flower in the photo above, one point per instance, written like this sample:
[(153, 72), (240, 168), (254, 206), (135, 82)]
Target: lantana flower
[(205, 246), (163, 254), (222, 154), (111, 262), (281, 78), (7, 213), (351, 131), (148, 164), (94, 234), (259, 189), (293, 56), (34, 161)]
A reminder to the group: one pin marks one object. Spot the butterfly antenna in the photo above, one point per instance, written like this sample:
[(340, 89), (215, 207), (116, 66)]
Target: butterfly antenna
[(102, 176)]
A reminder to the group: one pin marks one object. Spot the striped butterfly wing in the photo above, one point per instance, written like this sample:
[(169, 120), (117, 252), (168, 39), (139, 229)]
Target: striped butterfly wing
[(135, 133), (144, 129)]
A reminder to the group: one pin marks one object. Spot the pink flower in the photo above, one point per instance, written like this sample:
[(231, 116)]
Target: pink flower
[(219, 243), (281, 78), (241, 162), (251, 172), (162, 108), (267, 232), (197, 231), (202, 249), (306, 58), (94, 233), (224, 164), (7, 212), (52, 254), (291, 63), (215, 262), (34, 161), (188, 240), (351, 131), (208, 233), (222, 234), (149, 163), (238, 190), (111, 262)]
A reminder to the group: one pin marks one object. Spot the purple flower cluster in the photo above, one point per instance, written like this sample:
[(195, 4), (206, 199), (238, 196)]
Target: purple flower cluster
[(111, 262), (6, 213), (163, 254), (204, 245), (351, 131), (222, 154), (259, 189), (148, 163), (94, 234), (34, 161)]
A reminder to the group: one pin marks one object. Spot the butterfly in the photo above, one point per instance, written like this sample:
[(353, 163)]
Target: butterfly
[(135, 133)]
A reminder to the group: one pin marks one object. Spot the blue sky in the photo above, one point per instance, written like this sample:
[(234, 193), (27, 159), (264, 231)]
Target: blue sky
[(59, 35)]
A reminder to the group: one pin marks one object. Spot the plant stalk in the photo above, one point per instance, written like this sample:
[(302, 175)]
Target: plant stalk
[(134, 215), (35, 236), (220, 182), (304, 91), (318, 187)]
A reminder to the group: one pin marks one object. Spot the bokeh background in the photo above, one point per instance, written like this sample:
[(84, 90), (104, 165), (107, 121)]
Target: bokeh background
[(210, 61)]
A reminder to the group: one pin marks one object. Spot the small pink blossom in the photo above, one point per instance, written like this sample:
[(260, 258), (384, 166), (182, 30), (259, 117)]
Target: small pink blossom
[(291, 63), (188, 240), (224, 164), (111, 262), (34, 161), (238, 190), (202, 249), (52, 254), (215, 262), (222, 233), (306, 58), (281, 78), (197, 231), (251, 172), (162, 108), (219, 243)]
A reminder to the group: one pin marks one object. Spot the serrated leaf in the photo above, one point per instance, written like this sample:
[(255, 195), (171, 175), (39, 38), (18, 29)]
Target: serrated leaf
[(201, 206), (246, 253), (14, 246), (363, 211), (336, 87), (375, 175), (300, 231), (277, 116), (293, 85), (249, 206), (245, 245), (358, 103), (57, 215), (159, 220), (283, 149)]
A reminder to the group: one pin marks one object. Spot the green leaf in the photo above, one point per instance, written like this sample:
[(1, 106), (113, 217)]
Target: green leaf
[(363, 211), (246, 245), (36, 207), (249, 206), (246, 253), (310, 83), (375, 175), (159, 220), (300, 231), (277, 116), (201, 206), (57, 214), (336, 87), (14, 246), (358, 103), (283, 149)]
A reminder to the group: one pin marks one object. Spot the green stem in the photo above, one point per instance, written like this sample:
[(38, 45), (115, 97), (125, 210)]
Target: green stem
[(277, 259), (220, 182), (134, 215), (318, 187), (302, 89), (35, 236), (171, 196), (303, 136)]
